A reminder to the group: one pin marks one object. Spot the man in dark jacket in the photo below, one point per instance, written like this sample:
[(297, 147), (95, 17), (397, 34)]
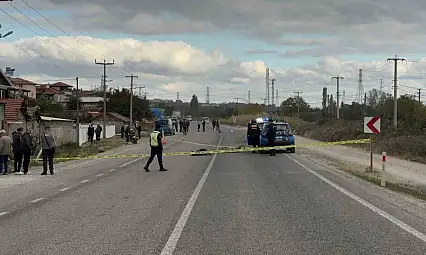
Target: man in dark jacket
[(17, 152), (271, 134), (26, 143), (156, 145)]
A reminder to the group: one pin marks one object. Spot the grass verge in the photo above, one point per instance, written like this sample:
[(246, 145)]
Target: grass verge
[(73, 150)]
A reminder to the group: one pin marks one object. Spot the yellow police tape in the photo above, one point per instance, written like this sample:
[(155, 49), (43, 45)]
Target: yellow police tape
[(221, 151)]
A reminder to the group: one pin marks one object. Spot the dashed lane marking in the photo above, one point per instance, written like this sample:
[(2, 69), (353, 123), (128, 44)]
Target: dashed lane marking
[(37, 200), (65, 189), (99, 175), (84, 181), (131, 162), (3, 213), (111, 170)]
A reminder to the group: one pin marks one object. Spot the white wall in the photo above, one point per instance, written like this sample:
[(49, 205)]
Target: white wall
[(110, 132)]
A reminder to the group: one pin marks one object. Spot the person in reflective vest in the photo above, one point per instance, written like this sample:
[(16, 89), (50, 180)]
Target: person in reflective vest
[(155, 142)]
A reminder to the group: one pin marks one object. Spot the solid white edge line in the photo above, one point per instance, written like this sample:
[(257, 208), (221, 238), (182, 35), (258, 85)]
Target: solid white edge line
[(177, 231), (3, 213), (135, 160), (373, 208), (37, 200), (65, 189), (84, 181)]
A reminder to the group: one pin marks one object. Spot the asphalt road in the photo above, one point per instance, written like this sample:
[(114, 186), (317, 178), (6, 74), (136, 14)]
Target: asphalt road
[(226, 204)]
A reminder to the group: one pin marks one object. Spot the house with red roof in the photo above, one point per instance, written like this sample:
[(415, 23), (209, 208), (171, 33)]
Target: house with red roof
[(12, 105), (26, 86)]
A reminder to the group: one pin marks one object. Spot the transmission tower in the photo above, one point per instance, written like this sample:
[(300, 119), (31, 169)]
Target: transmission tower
[(249, 97), (177, 96), (360, 89), (267, 88), (208, 95)]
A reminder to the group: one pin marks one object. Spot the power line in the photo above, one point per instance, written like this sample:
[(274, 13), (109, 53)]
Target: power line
[(395, 88)]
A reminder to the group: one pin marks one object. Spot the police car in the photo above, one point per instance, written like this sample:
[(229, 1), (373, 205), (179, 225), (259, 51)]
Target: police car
[(284, 135)]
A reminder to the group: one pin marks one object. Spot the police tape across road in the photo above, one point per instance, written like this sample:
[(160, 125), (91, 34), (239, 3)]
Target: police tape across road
[(219, 151)]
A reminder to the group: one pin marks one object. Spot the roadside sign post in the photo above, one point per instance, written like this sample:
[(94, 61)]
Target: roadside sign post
[(383, 179), (371, 126)]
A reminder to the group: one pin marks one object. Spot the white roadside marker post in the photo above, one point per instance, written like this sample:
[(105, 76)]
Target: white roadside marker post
[(383, 175)]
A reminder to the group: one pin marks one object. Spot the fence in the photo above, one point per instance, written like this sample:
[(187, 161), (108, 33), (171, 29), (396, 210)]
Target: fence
[(110, 132)]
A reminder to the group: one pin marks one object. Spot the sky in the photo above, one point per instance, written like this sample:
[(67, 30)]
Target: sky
[(187, 46)]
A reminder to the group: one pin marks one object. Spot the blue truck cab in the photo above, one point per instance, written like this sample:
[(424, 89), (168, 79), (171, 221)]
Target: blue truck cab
[(284, 136), (166, 126)]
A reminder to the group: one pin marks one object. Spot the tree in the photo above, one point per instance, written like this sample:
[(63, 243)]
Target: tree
[(169, 110), (194, 106), (72, 103), (291, 105), (47, 107), (324, 101), (119, 102)]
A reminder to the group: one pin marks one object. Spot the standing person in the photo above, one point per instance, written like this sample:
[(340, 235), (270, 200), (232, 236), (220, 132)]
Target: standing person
[(4, 152), (204, 125), (98, 132), (26, 143), (122, 130), (90, 132), (199, 126), (271, 134), (217, 126), (214, 125), (156, 145), (17, 152), (139, 130), (48, 148), (180, 125)]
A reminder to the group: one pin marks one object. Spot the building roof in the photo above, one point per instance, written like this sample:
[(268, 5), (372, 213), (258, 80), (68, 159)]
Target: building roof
[(119, 116), (4, 80), (44, 89), (20, 81), (12, 108), (45, 118), (60, 84), (91, 99)]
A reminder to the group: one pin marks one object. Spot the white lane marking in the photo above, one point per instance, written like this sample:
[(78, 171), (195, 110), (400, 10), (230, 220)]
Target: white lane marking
[(131, 162), (135, 160), (3, 213), (112, 170), (84, 181), (373, 208), (67, 188), (37, 200), (99, 175), (177, 231)]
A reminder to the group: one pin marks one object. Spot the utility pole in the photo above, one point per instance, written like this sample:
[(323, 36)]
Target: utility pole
[(364, 105), (338, 94), (249, 97), (131, 96), (273, 92), (419, 92), (267, 89), (140, 90), (395, 89), (78, 111), (277, 98), (298, 101), (177, 96), (105, 64)]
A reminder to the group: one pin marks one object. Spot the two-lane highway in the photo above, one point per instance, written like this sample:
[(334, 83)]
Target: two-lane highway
[(225, 204)]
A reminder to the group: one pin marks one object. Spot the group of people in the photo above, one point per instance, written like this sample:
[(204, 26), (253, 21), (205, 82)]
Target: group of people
[(216, 124), (129, 131), (91, 131), (183, 126), (253, 133), (21, 147)]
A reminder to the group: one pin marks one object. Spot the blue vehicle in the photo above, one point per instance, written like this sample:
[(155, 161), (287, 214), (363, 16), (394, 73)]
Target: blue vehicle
[(166, 126), (284, 136)]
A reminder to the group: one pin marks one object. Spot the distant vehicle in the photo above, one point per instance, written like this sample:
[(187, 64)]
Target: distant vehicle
[(189, 117), (166, 126), (206, 119), (284, 136)]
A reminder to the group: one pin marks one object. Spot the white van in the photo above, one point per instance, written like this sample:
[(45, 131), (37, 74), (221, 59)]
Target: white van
[(206, 119), (189, 117)]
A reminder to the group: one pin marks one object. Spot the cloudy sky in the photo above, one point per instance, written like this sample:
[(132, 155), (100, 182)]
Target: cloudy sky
[(186, 46)]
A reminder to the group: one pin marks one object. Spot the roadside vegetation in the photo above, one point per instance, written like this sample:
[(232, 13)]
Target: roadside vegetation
[(407, 141)]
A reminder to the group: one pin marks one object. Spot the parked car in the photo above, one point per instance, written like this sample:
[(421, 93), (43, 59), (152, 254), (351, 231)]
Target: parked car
[(284, 136)]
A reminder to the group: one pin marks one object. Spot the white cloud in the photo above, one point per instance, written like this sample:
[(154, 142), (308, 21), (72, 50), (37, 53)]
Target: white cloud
[(166, 68)]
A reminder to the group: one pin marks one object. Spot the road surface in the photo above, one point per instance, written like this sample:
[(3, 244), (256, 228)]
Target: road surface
[(226, 204)]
